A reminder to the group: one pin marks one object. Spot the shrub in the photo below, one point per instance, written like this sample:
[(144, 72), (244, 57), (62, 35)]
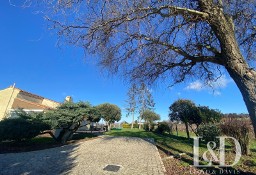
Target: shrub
[(135, 125), (126, 125), (239, 129), (209, 132), (163, 127), (18, 129)]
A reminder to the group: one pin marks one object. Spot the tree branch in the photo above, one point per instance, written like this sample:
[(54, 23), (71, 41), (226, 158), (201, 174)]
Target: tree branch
[(213, 59), (173, 10)]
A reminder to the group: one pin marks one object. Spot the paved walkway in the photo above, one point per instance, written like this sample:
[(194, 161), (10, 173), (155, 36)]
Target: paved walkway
[(125, 155)]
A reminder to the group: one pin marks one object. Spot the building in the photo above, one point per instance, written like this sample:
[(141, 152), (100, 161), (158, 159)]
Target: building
[(13, 98)]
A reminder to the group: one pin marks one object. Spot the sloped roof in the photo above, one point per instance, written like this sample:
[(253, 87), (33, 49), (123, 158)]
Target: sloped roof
[(34, 95), (24, 104)]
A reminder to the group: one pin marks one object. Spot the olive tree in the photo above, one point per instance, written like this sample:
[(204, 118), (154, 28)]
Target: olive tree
[(110, 113), (209, 115), (149, 117), (186, 112), (176, 40)]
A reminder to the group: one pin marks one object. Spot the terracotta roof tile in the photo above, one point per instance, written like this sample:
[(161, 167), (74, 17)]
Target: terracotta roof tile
[(24, 104)]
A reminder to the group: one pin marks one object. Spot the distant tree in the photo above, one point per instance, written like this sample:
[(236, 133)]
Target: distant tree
[(93, 116), (176, 40), (67, 117), (185, 111), (132, 102), (235, 115), (146, 101), (110, 113), (209, 115), (149, 117)]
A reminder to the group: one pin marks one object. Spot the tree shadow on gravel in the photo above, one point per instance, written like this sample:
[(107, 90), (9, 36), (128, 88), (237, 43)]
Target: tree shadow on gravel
[(54, 161)]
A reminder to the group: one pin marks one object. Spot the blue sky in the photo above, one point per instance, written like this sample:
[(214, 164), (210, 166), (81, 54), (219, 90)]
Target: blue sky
[(31, 58)]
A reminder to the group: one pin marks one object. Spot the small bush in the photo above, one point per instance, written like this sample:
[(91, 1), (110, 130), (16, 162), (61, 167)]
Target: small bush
[(135, 125), (163, 127), (18, 129), (209, 132), (239, 129), (126, 125)]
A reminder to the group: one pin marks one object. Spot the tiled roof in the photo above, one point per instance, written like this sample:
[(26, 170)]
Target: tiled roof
[(34, 95), (24, 104)]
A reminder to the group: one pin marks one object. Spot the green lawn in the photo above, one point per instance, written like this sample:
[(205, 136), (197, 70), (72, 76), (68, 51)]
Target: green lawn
[(180, 144)]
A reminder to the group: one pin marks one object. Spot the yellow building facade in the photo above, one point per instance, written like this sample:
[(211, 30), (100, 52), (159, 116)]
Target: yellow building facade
[(13, 98)]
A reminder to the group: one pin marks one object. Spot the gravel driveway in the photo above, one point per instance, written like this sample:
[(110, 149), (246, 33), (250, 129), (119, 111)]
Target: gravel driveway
[(124, 155)]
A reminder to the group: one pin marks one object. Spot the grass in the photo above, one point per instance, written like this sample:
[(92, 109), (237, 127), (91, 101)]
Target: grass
[(175, 145)]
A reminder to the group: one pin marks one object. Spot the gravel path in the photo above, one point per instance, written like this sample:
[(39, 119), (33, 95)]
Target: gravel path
[(133, 156)]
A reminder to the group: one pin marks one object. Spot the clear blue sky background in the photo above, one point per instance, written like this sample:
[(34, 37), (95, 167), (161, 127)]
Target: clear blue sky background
[(30, 58)]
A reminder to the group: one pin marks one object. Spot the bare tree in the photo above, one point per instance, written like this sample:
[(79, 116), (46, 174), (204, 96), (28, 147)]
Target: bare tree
[(178, 39), (132, 102), (145, 101)]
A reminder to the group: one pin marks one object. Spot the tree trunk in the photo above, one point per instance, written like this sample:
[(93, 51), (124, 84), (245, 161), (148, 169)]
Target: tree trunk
[(231, 57), (132, 120), (176, 127), (186, 124), (67, 133), (109, 126), (238, 69), (91, 126), (246, 82), (140, 123)]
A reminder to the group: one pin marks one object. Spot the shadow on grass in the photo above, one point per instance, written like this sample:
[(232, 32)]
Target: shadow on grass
[(173, 145), (188, 159)]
